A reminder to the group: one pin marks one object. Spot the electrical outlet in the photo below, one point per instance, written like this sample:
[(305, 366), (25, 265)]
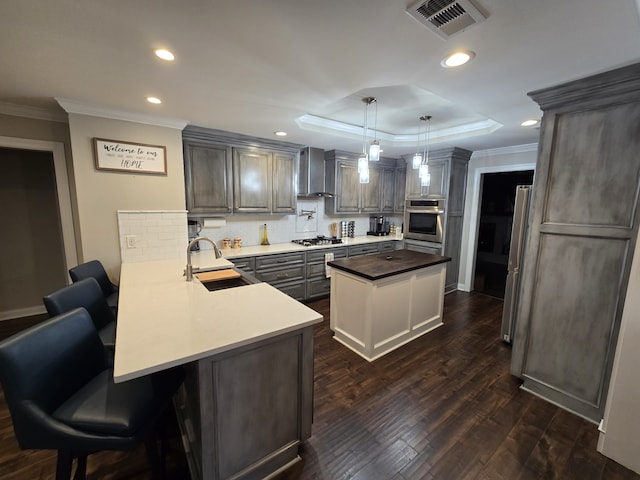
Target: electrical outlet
[(131, 241)]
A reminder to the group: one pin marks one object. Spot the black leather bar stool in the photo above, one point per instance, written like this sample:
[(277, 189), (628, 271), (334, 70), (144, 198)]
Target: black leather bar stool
[(85, 293), (61, 394), (95, 269)]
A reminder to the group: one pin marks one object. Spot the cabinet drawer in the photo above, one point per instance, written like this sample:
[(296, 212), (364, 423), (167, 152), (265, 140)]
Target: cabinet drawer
[(318, 256), (246, 264), (318, 287), (315, 270), (275, 261), (386, 246), (363, 249), (294, 289), (285, 274)]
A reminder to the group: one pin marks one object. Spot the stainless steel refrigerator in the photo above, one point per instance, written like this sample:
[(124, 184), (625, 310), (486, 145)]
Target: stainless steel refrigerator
[(516, 249)]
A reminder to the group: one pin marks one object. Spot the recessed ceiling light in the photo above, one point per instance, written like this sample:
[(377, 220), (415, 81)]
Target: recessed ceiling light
[(280, 133), (455, 59), (154, 100), (530, 122), (165, 54)]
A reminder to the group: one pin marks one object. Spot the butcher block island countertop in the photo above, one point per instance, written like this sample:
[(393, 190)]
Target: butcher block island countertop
[(382, 265), (247, 401), (381, 302)]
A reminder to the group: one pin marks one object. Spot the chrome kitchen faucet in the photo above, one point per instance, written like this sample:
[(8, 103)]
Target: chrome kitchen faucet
[(189, 269)]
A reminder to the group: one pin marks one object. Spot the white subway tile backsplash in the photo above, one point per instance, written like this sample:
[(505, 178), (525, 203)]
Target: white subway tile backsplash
[(159, 235)]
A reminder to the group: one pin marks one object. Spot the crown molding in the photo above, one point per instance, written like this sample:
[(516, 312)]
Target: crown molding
[(37, 113), (84, 108), (513, 149)]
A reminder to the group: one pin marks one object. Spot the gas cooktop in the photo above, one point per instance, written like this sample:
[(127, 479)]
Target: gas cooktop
[(319, 240)]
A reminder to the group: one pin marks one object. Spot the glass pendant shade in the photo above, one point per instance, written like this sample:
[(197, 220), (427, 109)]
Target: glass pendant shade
[(374, 151), (363, 163), (425, 176), (364, 175), (417, 161)]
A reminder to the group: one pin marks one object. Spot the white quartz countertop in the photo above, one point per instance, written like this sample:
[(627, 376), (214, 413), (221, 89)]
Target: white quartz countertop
[(164, 321), (257, 250)]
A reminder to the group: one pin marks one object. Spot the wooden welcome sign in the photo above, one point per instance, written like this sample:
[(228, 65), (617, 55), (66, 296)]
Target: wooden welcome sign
[(130, 157)]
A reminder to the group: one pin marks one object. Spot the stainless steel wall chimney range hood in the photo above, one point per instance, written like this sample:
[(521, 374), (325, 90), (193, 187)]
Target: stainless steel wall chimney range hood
[(311, 174)]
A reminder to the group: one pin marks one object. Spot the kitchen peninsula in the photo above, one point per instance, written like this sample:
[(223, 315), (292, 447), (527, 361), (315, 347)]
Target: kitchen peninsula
[(380, 302), (246, 404)]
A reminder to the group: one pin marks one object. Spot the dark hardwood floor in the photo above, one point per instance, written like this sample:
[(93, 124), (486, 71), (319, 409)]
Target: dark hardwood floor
[(443, 407)]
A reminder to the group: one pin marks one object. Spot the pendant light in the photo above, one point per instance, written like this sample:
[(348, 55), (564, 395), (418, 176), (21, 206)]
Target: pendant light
[(425, 176), (417, 157), (363, 161), (374, 148)]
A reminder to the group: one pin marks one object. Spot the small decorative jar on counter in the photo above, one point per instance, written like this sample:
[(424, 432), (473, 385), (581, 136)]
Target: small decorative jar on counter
[(237, 242), (226, 243)]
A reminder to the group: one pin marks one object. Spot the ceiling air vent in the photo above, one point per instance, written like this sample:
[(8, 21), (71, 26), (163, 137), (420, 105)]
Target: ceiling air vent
[(446, 17)]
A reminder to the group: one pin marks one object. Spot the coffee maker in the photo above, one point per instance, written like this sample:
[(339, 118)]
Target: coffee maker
[(378, 226), (194, 228)]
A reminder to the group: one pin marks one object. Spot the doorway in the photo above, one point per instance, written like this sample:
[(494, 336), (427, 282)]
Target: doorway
[(38, 245), (494, 229)]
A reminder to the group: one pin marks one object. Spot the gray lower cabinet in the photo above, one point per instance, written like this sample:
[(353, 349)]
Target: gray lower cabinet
[(244, 413), (301, 275), (387, 246), (318, 284), (246, 264), (208, 174), (286, 272), (424, 247), (582, 232), (365, 249)]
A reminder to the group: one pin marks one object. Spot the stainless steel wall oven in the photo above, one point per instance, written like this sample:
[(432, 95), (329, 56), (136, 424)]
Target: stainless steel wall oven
[(423, 219)]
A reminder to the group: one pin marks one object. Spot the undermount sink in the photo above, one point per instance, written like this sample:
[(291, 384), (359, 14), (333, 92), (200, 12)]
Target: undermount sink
[(221, 284)]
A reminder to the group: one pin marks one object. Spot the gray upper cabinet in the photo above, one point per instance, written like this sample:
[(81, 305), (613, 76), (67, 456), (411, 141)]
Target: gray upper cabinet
[(208, 174), (347, 189), (251, 181), (581, 237), (264, 181), (400, 188), (439, 177), (371, 193), (232, 173), (285, 180), (351, 196), (388, 199)]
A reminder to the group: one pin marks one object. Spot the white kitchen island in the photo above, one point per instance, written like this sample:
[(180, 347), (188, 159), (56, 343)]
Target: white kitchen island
[(246, 404), (380, 302)]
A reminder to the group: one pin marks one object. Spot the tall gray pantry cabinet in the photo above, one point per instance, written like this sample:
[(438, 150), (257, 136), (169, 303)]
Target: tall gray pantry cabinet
[(582, 232)]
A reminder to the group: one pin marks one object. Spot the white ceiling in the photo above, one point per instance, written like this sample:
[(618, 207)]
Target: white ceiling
[(257, 66)]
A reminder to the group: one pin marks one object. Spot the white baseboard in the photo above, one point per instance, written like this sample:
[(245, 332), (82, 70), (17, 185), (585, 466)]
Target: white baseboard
[(22, 312)]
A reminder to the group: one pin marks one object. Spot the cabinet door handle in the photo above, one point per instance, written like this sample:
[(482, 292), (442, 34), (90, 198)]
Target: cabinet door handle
[(283, 275), (282, 260)]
